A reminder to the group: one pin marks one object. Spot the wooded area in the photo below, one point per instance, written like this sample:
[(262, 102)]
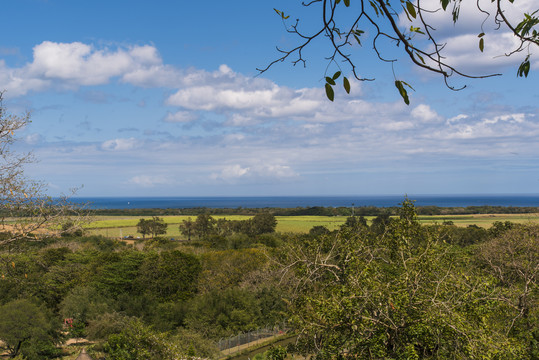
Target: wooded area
[(391, 289)]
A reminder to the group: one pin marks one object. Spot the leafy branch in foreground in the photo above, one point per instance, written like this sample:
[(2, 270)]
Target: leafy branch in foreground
[(344, 23), (407, 294)]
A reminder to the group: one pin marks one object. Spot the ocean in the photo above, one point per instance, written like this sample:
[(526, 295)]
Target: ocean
[(516, 200)]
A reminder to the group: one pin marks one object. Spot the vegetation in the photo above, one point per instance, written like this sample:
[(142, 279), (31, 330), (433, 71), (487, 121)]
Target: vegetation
[(316, 211), (406, 29), (155, 226), (378, 287), (407, 292)]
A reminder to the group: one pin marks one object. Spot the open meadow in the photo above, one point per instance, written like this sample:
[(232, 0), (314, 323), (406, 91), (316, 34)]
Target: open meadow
[(121, 226)]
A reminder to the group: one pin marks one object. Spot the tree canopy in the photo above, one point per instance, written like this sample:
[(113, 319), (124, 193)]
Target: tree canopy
[(155, 226), (405, 29)]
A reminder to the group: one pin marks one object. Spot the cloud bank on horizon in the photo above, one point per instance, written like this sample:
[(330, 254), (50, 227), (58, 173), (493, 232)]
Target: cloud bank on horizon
[(122, 120)]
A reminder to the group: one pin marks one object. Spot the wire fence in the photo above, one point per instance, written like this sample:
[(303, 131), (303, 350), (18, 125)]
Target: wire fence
[(249, 339)]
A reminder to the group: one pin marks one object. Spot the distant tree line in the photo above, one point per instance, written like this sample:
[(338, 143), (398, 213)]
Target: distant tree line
[(322, 211)]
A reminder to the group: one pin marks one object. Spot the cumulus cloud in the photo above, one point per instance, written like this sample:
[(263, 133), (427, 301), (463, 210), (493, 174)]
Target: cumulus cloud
[(120, 144), (248, 101), (255, 130), (513, 128), (78, 64), (424, 113), (232, 172), (235, 172)]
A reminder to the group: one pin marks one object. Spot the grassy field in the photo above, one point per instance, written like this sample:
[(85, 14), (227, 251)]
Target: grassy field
[(119, 226)]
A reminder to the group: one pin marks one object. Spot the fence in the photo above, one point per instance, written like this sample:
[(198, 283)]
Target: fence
[(249, 339)]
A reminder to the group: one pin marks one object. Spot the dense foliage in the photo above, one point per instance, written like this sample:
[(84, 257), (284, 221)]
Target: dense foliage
[(414, 292), (390, 288)]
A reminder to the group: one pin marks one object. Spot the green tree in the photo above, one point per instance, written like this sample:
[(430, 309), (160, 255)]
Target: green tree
[(143, 227), (26, 329), (512, 259), (169, 275), (229, 268), (204, 226), (399, 295), (379, 223), (355, 222), (187, 227), (408, 26), (137, 341), (158, 226), (155, 226), (263, 223), (116, 274), (318, 230), (223, 313), (83, 304)]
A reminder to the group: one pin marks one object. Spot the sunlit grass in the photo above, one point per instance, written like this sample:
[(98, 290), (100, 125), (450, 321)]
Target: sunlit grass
[(120, 226)]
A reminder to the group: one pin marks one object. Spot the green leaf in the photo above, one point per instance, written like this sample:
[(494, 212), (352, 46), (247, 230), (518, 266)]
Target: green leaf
[(375, 7), (411, 9), (346, 84), (405, 83), (417, 30), (347, 3), (357, 39), (481, 44), (329, 92), (444, 4), (277, 11), (336, 75), (524, 68), (402, 91), (481, 35), (330, 80), (420, 58)]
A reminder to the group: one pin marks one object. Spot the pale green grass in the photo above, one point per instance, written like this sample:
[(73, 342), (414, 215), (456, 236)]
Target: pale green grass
[(482, 220), (302, 224), (116, 226), (130, 221)]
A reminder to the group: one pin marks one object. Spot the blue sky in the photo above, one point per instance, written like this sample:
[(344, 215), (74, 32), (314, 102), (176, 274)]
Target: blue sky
[(162, 98)]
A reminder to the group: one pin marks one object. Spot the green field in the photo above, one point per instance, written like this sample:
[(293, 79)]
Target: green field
[(119, 226)]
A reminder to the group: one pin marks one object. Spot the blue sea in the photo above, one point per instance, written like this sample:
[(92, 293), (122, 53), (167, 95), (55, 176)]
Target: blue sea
[(519, 200)]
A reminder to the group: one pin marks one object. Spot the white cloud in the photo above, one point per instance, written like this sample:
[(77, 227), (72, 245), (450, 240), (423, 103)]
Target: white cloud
[(276, 171), (241, 120), (513, 128), (514, 118), (181, 117), (120, 144), (460, 40), (149, 181), (33, 139), (78, 64), (457, 118), (425, 114), (233, 173)]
